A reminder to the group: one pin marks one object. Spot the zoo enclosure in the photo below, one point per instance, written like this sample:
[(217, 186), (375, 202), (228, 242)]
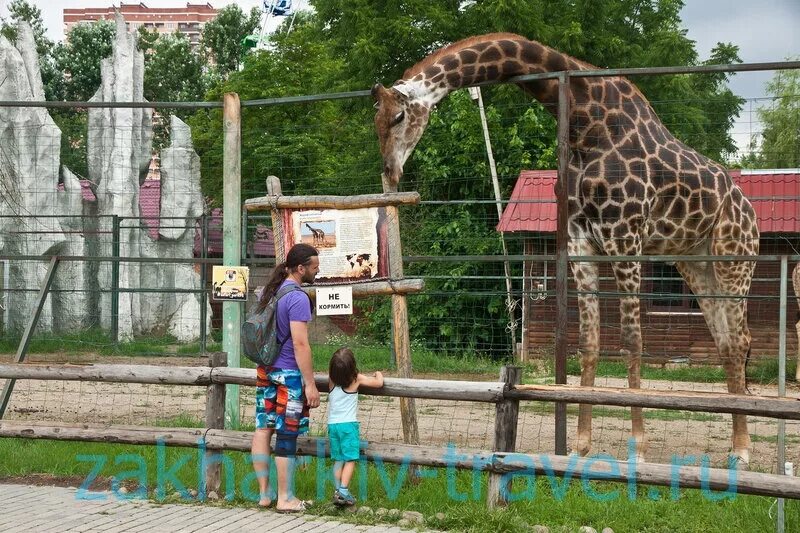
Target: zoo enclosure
[(454, 280)]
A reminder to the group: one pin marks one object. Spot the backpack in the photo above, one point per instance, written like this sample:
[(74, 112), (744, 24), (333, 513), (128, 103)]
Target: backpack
[(260, 331)]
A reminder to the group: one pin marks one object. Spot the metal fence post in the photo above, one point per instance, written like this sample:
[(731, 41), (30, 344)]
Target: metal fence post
[(505, 435), (232, 241), (22, 349), (562, 262), (204, 283), (780, 517), (115, 244)]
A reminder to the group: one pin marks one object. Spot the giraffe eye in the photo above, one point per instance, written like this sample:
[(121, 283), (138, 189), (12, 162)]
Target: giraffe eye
[(398, 118)]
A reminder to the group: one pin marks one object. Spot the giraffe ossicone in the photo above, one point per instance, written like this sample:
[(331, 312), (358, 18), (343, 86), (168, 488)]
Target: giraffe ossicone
[(634, 189)]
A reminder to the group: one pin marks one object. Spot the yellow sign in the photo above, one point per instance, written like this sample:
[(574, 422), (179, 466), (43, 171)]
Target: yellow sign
[(230, 283)]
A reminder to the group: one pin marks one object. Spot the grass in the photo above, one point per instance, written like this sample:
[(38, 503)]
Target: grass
[(761, 371), (460, 496)]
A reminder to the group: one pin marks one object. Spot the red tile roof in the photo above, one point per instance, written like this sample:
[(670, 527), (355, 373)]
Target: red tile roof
[(86, 191), (775, 195), (150, 206), (532, 206)]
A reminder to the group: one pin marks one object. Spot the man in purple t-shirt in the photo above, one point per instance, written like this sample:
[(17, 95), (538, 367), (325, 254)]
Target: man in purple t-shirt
[(286, 391)]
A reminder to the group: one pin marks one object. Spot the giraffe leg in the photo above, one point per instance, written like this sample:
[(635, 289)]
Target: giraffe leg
[(727, 321), (797, 369), (586, 280), (796, 285), (628, 277)]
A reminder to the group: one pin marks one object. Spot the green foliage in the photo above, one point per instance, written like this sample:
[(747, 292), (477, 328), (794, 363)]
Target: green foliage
[(79, 58), (222, 37), (778, 145), (173, 72), (23, 11)]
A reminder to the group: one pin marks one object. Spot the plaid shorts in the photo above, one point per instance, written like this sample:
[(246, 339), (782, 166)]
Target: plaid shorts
[(280, 402)]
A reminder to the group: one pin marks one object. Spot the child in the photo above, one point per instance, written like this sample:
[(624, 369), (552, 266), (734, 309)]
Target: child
[(343, 384)]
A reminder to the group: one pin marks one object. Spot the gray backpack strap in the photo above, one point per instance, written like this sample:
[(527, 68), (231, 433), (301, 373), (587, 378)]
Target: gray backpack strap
[(283, 291)]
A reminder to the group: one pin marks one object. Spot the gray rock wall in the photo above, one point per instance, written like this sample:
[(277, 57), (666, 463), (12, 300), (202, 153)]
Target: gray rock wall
[(119, 152)]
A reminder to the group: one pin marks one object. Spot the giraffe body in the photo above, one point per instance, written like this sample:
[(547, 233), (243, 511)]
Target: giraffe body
[(634, 189)]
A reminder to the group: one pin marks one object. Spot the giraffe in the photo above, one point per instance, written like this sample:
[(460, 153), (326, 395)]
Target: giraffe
[(796, 284), (634, 189), (318, 235)]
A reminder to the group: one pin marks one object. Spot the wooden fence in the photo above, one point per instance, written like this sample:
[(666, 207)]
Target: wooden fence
[(505, 394)]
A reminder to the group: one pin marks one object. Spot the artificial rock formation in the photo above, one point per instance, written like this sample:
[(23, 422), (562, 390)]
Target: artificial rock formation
[(34, 211), (181, 205), (42, 204)]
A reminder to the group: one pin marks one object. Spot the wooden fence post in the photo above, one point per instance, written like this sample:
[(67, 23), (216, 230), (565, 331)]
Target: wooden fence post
[(505, 434), (215, 419)]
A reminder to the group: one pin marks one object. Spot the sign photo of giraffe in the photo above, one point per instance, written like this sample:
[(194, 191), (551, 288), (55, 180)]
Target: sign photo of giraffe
[(319, 233), (351, 242)]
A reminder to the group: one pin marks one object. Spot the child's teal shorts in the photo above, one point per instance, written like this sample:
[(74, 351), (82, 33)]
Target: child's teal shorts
[(345, 445)]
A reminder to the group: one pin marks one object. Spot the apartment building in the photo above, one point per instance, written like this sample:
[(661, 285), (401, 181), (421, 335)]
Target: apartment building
[(188, 20)]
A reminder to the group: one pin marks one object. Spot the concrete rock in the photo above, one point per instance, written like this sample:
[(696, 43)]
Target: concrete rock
[(414, 516)]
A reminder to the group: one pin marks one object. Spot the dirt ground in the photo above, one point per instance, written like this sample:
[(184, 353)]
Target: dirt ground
[(468, 425)]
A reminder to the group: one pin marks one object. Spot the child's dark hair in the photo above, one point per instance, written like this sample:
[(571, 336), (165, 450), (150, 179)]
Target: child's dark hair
[(342, 370)]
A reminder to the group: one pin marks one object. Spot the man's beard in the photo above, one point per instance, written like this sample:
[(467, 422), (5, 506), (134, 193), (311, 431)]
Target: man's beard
[(308, 277)]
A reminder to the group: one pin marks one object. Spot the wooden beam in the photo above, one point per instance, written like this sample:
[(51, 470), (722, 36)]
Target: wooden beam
[(274, 189), (215, 419), (710, 402), (147, 374), (577, 468), (506, 419), (331, 202), (477, 391), (375, 288)]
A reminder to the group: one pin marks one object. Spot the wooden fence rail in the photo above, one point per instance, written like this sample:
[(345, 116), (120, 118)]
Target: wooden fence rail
[(579, 468), (475, 391), (506, 394)]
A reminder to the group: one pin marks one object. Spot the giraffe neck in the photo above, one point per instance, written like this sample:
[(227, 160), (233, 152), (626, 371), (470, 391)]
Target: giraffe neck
[(494, 57)]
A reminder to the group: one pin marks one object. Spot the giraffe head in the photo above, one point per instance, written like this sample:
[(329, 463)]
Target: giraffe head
[(399, 122)]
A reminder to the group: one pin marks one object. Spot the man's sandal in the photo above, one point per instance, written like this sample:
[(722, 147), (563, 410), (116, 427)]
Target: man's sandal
[(299, 508)]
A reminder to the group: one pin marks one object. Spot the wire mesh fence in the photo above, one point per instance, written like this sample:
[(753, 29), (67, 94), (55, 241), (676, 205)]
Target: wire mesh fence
[(139, 232)]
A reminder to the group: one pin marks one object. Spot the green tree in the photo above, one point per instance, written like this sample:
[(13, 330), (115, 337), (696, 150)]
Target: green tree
[(173, 72), (79, 58), (23, 11), (222, 37), (778, 145)]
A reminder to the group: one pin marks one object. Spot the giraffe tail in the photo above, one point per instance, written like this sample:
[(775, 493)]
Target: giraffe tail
[(746, 380)]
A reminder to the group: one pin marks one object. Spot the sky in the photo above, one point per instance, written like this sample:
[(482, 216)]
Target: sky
[(765, 31)]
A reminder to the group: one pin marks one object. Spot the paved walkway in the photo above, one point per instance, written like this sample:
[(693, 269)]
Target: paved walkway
[(25, 508)]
